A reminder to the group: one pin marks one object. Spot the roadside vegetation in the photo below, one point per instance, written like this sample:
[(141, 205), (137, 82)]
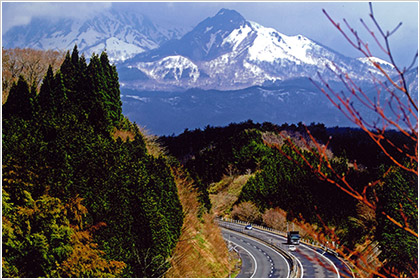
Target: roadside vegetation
[(201, 250), (253, 173)]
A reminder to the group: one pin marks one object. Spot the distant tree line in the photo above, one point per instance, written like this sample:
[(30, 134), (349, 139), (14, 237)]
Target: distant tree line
[(77, 202)]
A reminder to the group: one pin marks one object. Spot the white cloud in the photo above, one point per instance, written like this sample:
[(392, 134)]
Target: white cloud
[(21, 13)]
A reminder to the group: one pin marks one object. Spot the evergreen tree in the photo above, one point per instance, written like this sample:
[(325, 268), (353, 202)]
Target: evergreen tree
[(96, 102), (113, 100), (20, 101), (69, 71), (74, 71), (52, 96), (398, 197)]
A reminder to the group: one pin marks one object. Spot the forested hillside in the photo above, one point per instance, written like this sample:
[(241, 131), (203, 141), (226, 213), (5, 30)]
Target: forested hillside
[(78, 201), (281, 182)]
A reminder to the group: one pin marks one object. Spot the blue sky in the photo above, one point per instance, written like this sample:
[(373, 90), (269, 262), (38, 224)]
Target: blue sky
[(290, 18)]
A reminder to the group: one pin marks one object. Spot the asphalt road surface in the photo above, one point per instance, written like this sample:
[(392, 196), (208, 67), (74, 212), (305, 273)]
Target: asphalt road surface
[(258, 259), (314, 263)]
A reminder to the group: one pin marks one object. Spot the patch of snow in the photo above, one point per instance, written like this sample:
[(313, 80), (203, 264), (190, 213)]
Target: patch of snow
[(271, 46), (237, 36), (116, 49), (173, 65), (372, 59), (210, 43), (172, 100), (142, 99)]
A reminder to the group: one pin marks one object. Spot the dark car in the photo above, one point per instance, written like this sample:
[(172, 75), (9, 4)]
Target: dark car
[(248, 227)]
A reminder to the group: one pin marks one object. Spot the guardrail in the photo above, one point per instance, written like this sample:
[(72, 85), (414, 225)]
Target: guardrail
[(284, 234), (295, 271)]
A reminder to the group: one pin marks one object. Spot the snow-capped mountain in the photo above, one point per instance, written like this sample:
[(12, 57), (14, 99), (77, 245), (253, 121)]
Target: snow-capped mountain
[(226, 69), (228, 52), (122, 34)]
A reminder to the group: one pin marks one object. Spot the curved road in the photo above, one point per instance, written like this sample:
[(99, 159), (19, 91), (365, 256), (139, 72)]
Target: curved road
[(258, 259), (313, 263)]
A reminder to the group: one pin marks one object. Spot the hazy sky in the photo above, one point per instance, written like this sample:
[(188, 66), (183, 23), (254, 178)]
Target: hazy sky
[(290, 18)]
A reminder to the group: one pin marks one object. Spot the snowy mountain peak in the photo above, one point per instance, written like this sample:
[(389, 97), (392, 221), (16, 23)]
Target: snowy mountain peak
[(231, 15), (122, 34), (270, 45), (228, 52), (204, 42)]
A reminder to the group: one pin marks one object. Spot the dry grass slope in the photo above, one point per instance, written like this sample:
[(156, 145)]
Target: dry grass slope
[(225, 193), (201, 251)]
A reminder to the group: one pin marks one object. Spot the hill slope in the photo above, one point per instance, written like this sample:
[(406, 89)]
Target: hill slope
[(84, 195)]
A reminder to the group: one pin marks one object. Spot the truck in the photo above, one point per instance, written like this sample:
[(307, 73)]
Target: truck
[(293, 237)]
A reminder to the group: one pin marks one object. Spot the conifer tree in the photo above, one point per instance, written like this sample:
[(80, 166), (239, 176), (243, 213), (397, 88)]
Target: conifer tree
[(98, 95), (52, 96), (20, 101), (71, 70), (75, 57), (113, 101)]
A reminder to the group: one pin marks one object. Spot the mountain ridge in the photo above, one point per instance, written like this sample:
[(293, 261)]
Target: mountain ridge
[(227, 52), (122, 34)]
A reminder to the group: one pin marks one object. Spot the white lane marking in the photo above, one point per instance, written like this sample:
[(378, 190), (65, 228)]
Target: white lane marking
[(252, 256), (300, 264), (301, 267), (288, 265)]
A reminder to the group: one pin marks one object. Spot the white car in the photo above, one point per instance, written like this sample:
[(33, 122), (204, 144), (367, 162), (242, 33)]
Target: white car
[(248, 227), (292, 248)]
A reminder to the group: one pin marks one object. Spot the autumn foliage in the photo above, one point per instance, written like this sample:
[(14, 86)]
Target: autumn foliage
[(31, 64)]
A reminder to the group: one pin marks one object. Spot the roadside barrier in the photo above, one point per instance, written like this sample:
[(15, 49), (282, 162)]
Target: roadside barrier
[(295, 270), (284, 234)]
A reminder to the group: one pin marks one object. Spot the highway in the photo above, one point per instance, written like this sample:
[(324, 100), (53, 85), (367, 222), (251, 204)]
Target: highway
[(312, 262), (258, 259)]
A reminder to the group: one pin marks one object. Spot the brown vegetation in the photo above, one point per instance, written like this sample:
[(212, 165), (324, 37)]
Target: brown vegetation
[(246, 211), (31, 64), (201, 250), (123, 135), (225, 193), (275, 218)]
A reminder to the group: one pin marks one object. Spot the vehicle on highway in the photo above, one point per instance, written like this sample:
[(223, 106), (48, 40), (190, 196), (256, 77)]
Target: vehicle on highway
[(293, 237), (292, 248), (248, 227)]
